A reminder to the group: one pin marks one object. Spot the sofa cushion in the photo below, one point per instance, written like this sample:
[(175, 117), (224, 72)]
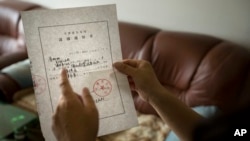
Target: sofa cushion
[(9, 19)]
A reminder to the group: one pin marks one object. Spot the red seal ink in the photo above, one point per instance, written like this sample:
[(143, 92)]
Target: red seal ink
[(39, 84), (102, 87)]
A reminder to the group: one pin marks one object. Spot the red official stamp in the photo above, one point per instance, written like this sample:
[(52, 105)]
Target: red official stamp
[(39, 84), (102, 87)]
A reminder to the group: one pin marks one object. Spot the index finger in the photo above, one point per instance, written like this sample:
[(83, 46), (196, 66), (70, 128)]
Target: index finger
[(64, 84)]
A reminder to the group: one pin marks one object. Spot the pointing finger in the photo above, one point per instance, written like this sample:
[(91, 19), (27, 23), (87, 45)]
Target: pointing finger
[(65, 85)]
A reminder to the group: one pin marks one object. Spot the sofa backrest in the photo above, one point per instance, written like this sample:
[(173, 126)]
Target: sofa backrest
[(12, 46), (198, 69)]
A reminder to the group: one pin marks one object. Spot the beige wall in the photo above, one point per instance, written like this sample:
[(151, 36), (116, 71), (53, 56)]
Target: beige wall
[(227, 19)]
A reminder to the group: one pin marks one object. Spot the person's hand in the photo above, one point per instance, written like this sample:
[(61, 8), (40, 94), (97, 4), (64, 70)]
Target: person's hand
[(142, 74), (76, 117)]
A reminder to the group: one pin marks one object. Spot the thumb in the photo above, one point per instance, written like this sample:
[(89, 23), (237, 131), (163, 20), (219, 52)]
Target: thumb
[(87, 98), (124, 68)]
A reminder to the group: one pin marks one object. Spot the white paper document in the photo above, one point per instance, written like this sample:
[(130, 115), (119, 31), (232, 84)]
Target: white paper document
[(86, 42)]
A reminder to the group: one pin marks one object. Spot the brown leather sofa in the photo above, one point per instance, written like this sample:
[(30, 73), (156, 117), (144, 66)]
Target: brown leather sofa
[(198, 69), (11, 31), (12, 45)]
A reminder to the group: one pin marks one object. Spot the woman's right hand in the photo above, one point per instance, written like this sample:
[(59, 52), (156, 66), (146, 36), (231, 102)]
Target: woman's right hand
[(143, 76)]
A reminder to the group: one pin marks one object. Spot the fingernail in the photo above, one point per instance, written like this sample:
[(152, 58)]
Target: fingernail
[(63, 70)]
